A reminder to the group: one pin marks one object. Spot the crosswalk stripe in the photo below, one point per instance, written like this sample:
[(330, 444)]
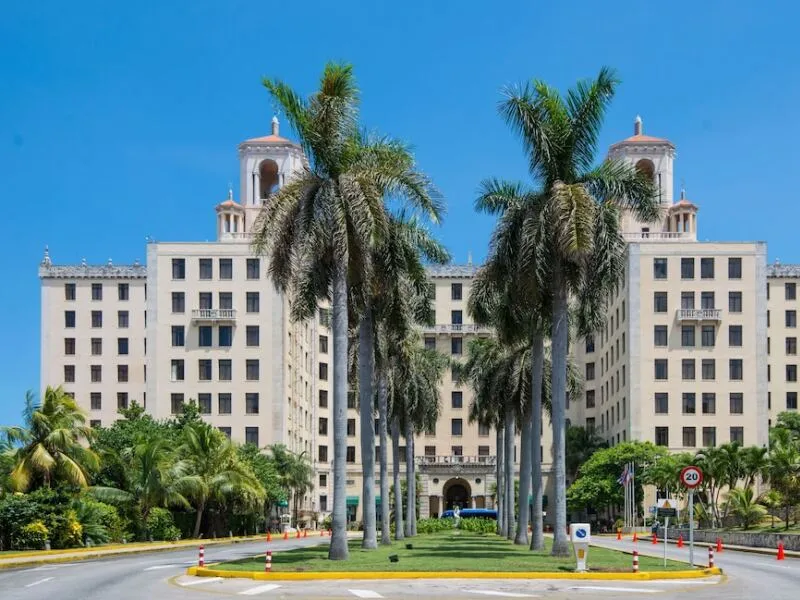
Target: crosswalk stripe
[(365, 594), (157, 567), (260, 589), (601, 588), (40, 581), (200, 580), (503, 594)]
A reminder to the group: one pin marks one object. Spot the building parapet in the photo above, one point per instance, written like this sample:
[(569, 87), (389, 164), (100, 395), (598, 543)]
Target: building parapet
[(456, 328), (86, 271), (452, 271), (699, 314), (456, 460), (779, 270), (658, 236), (213, 314)]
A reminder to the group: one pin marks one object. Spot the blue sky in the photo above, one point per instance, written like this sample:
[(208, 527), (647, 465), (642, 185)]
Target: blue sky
[(120, 120)]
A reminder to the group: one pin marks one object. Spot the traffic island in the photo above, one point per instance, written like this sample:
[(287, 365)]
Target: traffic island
[(449, 555)]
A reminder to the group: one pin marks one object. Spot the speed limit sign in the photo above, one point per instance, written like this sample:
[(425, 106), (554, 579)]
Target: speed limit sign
[(691, 476)]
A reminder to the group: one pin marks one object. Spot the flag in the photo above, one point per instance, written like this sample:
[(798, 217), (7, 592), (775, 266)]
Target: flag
[(625, 477)]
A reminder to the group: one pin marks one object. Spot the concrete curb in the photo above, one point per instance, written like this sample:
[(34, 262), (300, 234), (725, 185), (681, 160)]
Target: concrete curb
[(701, 545), (365, 575)]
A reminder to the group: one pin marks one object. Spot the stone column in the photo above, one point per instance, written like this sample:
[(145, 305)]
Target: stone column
[(488, 502), (442, 505), (472, 502)]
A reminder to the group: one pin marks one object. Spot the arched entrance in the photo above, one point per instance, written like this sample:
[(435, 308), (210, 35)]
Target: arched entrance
[(457, 492)]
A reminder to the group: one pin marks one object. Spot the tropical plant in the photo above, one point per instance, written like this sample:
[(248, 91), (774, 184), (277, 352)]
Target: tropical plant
[(783, 469), (573, 244), (743, 504), (319, 228), (295, 474), (50, 447), (582, 442)]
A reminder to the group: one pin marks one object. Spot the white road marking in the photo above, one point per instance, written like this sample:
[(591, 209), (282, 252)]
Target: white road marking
[(157, 567), (260, 589), (200, 580), (600, 588), (40, 581), (504, 594), (365, 594)]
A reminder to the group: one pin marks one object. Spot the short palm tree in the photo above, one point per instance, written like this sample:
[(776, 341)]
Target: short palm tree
[(50, 446), (572, 240), (742, 503), (319, 228)]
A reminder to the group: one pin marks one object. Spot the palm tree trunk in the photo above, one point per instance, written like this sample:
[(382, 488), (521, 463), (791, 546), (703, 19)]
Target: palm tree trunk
[(198, 519), (410, 504), (537, 375), (366, 376), (524, 477), (338, 548), (560, 340), (398, 491), (383, 411), (510, 429), (501, 491)]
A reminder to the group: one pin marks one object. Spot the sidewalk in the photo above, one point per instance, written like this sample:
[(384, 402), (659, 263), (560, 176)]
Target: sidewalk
[(752, 549)]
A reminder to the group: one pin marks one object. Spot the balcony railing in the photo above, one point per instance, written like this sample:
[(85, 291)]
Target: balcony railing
[(456, 460), (214, 314), (235, 235), (699, 314), (657, 236), (456, 328)]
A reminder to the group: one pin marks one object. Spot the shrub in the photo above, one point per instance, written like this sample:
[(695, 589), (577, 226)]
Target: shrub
[(434, 525), (31, 536), (16, 511), (478, 525), (101, 522), (161, 526), (327, 523), (65, 529)]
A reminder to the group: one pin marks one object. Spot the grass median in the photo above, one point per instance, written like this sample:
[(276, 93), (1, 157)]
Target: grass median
[(447, 551)]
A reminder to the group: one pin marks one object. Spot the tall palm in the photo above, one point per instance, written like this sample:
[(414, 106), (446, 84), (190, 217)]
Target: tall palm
[(50, 446), (216, 471), (318, 229), (573, 240), (754, 463), (294, 473)]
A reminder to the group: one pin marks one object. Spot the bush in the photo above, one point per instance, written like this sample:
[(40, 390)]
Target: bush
[(161, 526), (101, 522), (434, 525), (327, 523), (31, 536), (16, 511), (478, 525), (65, 529)]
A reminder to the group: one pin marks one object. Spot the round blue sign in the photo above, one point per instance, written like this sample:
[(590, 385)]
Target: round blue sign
[(580, 533)]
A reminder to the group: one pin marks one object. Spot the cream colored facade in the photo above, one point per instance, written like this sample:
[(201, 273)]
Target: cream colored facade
[(783, 282)]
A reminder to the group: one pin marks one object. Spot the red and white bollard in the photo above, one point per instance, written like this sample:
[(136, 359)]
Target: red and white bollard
[(268, 563), (201, 561), (635, 561), (711, 557)]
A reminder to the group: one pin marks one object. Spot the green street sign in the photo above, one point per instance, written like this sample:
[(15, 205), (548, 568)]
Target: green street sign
[(667, 512)]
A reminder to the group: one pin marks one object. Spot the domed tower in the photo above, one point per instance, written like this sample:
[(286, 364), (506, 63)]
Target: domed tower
[(266, 163), (230, 219), (654, 157), (682, 218)]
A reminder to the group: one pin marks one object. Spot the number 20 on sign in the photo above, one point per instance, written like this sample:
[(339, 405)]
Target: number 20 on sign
[(691, 477)]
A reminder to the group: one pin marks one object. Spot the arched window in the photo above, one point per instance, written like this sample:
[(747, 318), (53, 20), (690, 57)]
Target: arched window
[(646, 167), (268, 175)]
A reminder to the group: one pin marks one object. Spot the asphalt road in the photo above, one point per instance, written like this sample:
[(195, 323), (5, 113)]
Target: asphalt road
[(162, 576)]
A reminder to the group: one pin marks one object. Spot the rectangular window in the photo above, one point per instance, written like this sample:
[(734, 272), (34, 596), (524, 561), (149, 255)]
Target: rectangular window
[(323, 344), (687, 268), (455, 291), (253, 302), (791, 346), (689, 437), (204, 369), (707, 300), (226, 431), (457, 450), (252, 333), (456, 345), (253, 268), (123, 291), (97, 318), (206, 266), (225, 368), (69, 319), (122, 400), (323, 371), (97, 291), (791, 318), (323, 398), (351, 427), (456, 317), (69, 346), (323, 480), (687, 336), (176, 403), (204, 336), (659, 268), (225, 336), (122, 319), (660, 302), (204, 403), (661, 369), (178, 339), (323, 426), (660, 336), (96, 372), (709, 403), (589, 344), (69, 291), (708, 336), (737, 435), (97, 346), (178, 302), (179, 268), (206, 300), (735, 302), (430, 342), (735, 335), (791, 372), (456, 399), (736, 369), (122, 373), (323, 454), (177, 370), (709, 437), (483, 430), (96, 400), (226, 300), (707, 268), (791, 400), (687, 300), (252, 369), (734, 268), (251, 435), (590, 371), (709, 369), (590, 398), (736, 403), (790, 290), (225, 268), (662, 436), (69, 374), (456, 427), (662, 403), (351, 454), (689, 403), (122, 346), (224, 403), (251, 403)]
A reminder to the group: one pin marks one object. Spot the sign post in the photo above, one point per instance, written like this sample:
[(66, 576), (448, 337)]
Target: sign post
[(580, 535), (666, 508), (691, 477)]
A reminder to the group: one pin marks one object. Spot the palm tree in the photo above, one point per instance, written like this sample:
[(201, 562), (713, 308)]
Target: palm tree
[(754, 462), (745, 507), (573, 244), (783, 469), (319, 228), (294, 473), (50, 446), (216, 471), (581, 444)]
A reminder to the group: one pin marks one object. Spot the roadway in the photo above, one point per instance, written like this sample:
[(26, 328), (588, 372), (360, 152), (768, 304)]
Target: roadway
[(162, 576)]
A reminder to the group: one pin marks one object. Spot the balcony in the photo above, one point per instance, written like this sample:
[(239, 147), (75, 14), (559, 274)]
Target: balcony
[(699, 314), (657, 236), (214, 315), (455, 328), (235, 236), (456, 460)]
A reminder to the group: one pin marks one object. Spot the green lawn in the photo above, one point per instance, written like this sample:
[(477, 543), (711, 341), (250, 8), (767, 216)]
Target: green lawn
[(450, 551)]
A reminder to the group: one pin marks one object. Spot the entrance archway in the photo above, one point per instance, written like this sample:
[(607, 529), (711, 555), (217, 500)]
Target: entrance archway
[(457, 492)]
